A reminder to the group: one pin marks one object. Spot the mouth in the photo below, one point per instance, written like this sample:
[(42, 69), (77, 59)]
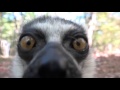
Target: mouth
[(46, 72)]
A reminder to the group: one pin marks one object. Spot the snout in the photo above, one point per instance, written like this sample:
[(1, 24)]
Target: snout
[(48, 70), (51, 62), (52, 69)]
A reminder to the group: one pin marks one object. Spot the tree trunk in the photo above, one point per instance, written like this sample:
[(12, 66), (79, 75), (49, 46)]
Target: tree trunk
[(4, 48), (91, 26), (0, 25), (16, 28)]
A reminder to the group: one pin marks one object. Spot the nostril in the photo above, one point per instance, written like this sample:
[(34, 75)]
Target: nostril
[(52, 71)]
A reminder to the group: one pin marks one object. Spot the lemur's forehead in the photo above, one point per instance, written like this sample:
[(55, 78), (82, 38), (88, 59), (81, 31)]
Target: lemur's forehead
[(53, 31), (52, 28)]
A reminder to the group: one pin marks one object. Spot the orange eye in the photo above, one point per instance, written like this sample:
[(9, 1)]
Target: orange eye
[(79, 44), (27, 43)]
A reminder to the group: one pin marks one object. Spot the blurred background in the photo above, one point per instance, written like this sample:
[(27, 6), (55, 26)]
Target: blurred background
[(103, 30)]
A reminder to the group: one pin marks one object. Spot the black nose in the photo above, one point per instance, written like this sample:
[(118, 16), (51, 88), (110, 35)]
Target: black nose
[(52, 70)]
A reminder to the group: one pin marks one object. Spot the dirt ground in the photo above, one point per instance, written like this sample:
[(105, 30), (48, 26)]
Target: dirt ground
[(5, 67), (108, 66)]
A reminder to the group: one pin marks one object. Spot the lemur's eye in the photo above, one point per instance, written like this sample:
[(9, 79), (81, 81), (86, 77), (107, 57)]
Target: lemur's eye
[(79, 44), (27, 42)]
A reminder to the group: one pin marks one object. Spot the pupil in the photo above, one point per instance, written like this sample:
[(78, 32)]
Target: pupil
[(28, 43), (78, 43)]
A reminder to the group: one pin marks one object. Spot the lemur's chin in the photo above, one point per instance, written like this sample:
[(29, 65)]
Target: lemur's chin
[(51, 47)]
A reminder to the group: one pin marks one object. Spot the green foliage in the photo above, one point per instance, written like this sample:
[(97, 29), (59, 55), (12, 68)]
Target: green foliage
[(8, 23), (29, 15), (108, 33), (6, 29)]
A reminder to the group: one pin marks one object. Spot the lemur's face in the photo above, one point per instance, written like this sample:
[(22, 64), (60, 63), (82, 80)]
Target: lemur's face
[(53, 48)]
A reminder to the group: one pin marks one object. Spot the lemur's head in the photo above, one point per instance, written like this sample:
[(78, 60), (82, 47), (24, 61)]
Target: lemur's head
[(51, 47)]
